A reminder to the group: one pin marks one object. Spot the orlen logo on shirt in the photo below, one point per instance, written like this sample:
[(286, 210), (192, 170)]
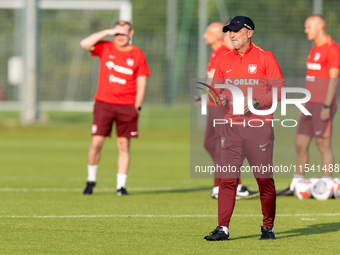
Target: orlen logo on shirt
[(119, 69), (313, 66), (242, 82)]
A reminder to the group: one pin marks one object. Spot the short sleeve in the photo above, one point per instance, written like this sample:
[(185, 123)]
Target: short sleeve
[(99, 48), (334, 57), (143, 68)]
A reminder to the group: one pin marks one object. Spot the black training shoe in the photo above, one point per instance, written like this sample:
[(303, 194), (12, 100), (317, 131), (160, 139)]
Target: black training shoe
[(122, 192), (246, 193), (267, 233), (89, 188), (286, 192), (217, 235)]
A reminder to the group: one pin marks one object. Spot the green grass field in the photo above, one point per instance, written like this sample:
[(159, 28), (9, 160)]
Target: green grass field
[(43, 211)]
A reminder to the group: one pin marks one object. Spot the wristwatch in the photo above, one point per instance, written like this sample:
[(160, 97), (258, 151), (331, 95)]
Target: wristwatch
[(256, 103), (139, 108), (326, 106)]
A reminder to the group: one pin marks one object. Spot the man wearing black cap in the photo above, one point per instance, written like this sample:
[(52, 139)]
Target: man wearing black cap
[(247, 135)]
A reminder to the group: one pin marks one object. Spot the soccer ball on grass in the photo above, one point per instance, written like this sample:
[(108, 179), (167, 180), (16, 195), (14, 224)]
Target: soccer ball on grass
[(303, 189), (323, 190)]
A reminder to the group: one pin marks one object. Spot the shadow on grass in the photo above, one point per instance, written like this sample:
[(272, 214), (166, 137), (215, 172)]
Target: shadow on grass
[(314, 229)]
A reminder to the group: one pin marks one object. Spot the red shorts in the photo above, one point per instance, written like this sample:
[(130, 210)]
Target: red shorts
[(105, 114), (312, 125)]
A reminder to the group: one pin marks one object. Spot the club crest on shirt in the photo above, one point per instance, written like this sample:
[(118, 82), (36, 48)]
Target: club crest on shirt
[(317, 56), (252, 68), (130, 62), (222, 141)]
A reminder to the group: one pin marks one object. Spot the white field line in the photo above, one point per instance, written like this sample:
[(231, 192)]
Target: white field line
[(163, 216), (81, 189)]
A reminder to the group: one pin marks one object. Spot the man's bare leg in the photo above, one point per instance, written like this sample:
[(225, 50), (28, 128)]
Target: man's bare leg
[(93, 158), (123, 162), (96, 146), (302, 146), (325, 148)]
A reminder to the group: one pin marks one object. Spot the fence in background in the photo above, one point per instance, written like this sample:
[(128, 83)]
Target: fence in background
[(168, 31)]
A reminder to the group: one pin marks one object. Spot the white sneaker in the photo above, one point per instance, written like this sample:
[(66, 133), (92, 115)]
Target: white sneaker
[(244, 192), (214, 192)]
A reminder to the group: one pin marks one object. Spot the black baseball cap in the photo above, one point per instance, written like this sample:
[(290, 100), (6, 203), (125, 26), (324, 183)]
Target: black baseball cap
[(238, 23)]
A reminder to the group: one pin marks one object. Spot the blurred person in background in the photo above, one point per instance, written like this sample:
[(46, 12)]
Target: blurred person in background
[(119, 97), (323, 65)]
